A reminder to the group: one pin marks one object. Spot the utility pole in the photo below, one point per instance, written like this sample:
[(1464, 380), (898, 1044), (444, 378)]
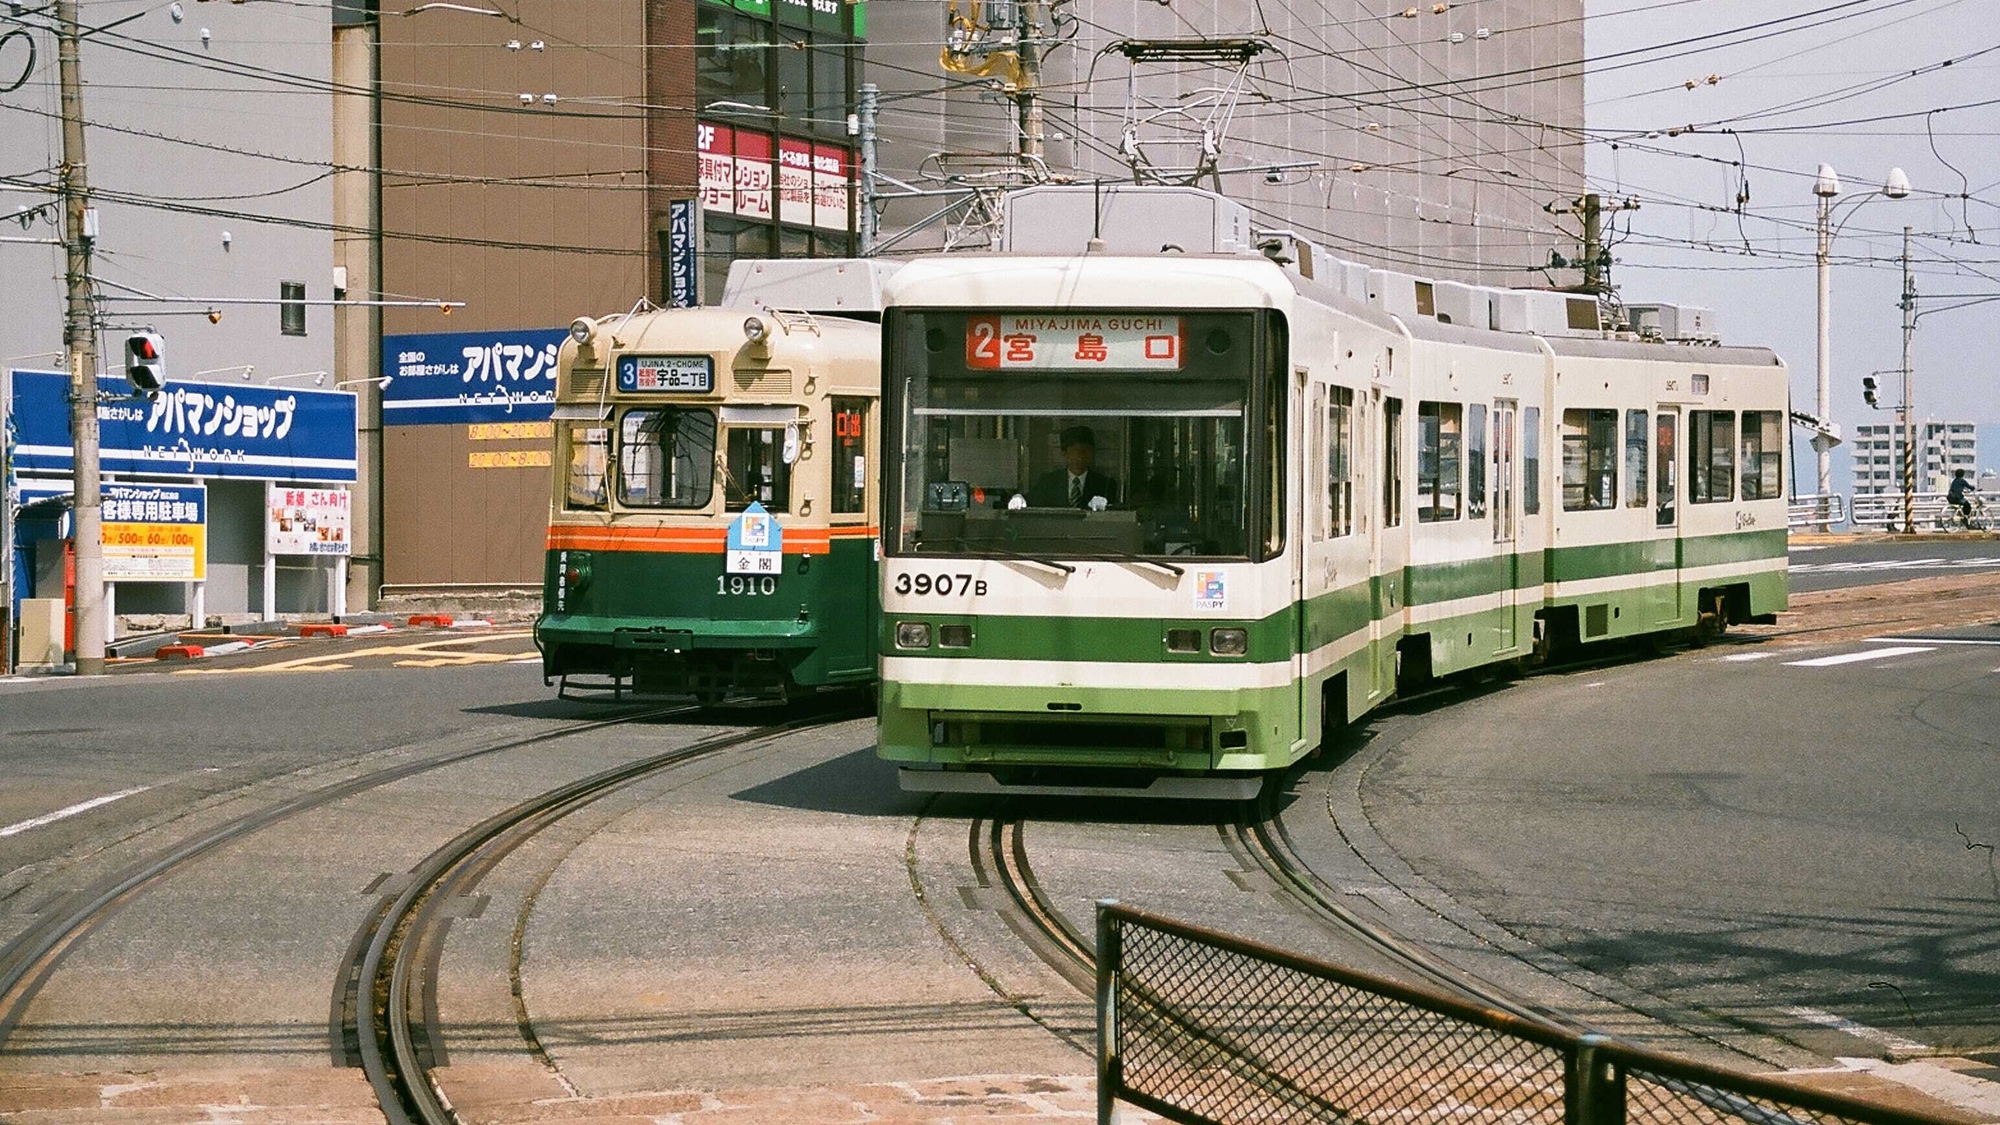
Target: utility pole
[(868, 109), (1027, 96), (1909, 307), (80, 339), (1591, 208)]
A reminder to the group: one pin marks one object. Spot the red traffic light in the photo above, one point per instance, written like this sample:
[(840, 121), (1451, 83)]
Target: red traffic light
[(145, 349)]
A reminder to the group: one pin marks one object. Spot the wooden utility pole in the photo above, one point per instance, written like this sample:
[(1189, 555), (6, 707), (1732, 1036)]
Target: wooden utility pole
[(80, 339), (1027, 95)]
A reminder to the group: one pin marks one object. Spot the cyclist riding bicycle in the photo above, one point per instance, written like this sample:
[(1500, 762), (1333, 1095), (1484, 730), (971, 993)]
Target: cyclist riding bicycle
[(1960, 495)]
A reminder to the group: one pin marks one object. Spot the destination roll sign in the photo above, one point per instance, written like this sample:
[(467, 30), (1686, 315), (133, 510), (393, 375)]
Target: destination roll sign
[(1137, 342)]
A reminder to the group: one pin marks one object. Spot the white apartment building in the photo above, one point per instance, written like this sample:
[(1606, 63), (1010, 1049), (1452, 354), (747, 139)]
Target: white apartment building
[(1942, 448)]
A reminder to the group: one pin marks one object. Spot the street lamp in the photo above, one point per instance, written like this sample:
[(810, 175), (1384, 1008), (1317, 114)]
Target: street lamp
[(1826, 185)]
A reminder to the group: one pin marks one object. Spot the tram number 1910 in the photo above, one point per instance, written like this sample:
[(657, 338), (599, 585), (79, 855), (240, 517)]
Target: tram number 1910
[(941, 584), (752, 585)]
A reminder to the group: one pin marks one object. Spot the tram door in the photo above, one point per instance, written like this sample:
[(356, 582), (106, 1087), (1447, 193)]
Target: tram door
[(1666, 517), (1504, 452)]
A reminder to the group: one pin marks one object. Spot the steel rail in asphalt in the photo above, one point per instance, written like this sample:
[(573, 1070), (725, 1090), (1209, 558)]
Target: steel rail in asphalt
[(386, 1031), (27, 961)]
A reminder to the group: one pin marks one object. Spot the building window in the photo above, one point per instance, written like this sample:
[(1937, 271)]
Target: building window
[(292, 308), (1590, 460)]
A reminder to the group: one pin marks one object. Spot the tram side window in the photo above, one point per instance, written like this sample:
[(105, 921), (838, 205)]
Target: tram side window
[(1663, 512), (1340, 462), (1590, 460), (1392, 462), (1440, 428), (1763, 444), (589, 464), (1635, 459), (1531, 461), (666, 457), (756, 469), (850, 455), (1475, 460), (1711, 467)]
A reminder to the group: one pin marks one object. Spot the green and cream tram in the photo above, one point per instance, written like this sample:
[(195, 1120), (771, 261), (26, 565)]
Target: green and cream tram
[(713, 528), (1162, 523)]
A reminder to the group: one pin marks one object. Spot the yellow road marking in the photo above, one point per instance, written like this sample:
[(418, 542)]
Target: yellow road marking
[(466, 658), (335, 661)]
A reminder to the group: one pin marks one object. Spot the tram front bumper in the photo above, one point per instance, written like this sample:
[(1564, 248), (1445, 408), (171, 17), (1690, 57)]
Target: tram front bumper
[(1167, 727)]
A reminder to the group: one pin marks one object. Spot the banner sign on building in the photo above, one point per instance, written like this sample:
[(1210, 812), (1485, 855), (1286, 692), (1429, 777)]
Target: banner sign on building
[(306, 521), (242, 431), (152, 532), (814, 183), (463, 377), (682, 259)]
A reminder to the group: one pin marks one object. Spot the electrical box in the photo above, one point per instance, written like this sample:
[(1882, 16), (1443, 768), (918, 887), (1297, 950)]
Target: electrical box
[(830, 286), (1460, 304), (41, 633), (1675, 324)]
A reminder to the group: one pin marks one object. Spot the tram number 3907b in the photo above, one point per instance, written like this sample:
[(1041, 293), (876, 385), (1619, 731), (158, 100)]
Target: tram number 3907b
[(941, 584), (751, 585)]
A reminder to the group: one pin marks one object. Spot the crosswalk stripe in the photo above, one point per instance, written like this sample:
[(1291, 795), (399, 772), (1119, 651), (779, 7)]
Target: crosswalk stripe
[(1930, 641), (1856, 657)]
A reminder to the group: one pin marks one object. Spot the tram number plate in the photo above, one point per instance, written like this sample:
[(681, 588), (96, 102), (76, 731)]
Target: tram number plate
[(692, 374), (942, 584), (746, 585)]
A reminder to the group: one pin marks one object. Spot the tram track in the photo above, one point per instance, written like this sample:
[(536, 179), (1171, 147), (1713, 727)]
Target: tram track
[(388, 987), (29, 959)]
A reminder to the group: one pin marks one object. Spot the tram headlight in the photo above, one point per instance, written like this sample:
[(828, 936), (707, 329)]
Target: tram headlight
[(754, 330), (1228, 642), (913, 634), (582, 329)]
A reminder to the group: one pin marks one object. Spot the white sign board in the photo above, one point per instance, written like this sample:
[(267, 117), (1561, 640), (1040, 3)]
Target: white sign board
[(306, 521)]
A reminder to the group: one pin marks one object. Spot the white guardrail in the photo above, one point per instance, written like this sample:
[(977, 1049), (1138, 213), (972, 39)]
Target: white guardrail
[(1815, 510)]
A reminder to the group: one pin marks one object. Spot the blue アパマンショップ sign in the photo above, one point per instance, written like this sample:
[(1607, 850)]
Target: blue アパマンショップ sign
[(191, 429), (458, 377)]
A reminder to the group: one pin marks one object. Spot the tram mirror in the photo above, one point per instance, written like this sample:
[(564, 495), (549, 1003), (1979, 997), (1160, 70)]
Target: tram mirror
[(791, 450)]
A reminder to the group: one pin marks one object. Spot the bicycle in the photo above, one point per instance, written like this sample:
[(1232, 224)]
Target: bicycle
[(1972, 517)]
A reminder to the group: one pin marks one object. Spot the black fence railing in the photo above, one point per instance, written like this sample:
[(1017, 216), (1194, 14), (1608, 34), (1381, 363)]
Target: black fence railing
[(1204, 1028)]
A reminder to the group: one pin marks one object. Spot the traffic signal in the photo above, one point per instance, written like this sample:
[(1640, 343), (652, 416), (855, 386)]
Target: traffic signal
[(145, 362), (1868, 389)]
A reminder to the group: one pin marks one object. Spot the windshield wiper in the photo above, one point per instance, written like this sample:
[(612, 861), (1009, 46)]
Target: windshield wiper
[(1027, 558), (1141, 560)]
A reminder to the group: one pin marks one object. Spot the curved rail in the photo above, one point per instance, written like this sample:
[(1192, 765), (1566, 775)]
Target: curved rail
[(27, 961), (386, 1028)]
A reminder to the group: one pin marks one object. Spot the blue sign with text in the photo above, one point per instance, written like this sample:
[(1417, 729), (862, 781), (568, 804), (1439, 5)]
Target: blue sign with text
[(245, 431), (447, 378)]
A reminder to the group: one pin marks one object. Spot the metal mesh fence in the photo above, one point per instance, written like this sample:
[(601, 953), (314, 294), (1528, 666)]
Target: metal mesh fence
[(1208, 1029)]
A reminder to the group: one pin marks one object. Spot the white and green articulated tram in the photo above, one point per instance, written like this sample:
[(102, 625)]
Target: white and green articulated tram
[(1163, 524)]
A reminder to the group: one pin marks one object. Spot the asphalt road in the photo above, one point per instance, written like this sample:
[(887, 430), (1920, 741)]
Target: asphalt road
[(1827, 566), (1796, 842)]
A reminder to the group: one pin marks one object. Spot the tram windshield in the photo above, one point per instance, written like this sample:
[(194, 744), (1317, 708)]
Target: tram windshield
[(1085, 435)]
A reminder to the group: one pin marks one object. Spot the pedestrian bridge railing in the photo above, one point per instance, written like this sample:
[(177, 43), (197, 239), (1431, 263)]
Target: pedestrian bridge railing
[(1877, 510), (1829, 509), (1204, 1028)]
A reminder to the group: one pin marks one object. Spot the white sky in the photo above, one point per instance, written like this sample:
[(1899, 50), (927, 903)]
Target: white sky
[(1824, 74)]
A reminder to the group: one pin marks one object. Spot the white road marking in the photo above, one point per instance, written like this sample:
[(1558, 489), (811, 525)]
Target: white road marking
[(1928, 641), (1941, 1082), (1887, 1039), (1796, 549), (1740, 657), (1856, 657), (65, 813), (1873, 565)]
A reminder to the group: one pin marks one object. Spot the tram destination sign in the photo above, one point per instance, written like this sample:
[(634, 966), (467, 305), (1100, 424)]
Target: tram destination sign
[(680, 374), (1106, 343)]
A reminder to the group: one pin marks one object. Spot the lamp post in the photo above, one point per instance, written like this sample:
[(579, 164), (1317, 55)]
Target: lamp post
[(1826, 186)]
